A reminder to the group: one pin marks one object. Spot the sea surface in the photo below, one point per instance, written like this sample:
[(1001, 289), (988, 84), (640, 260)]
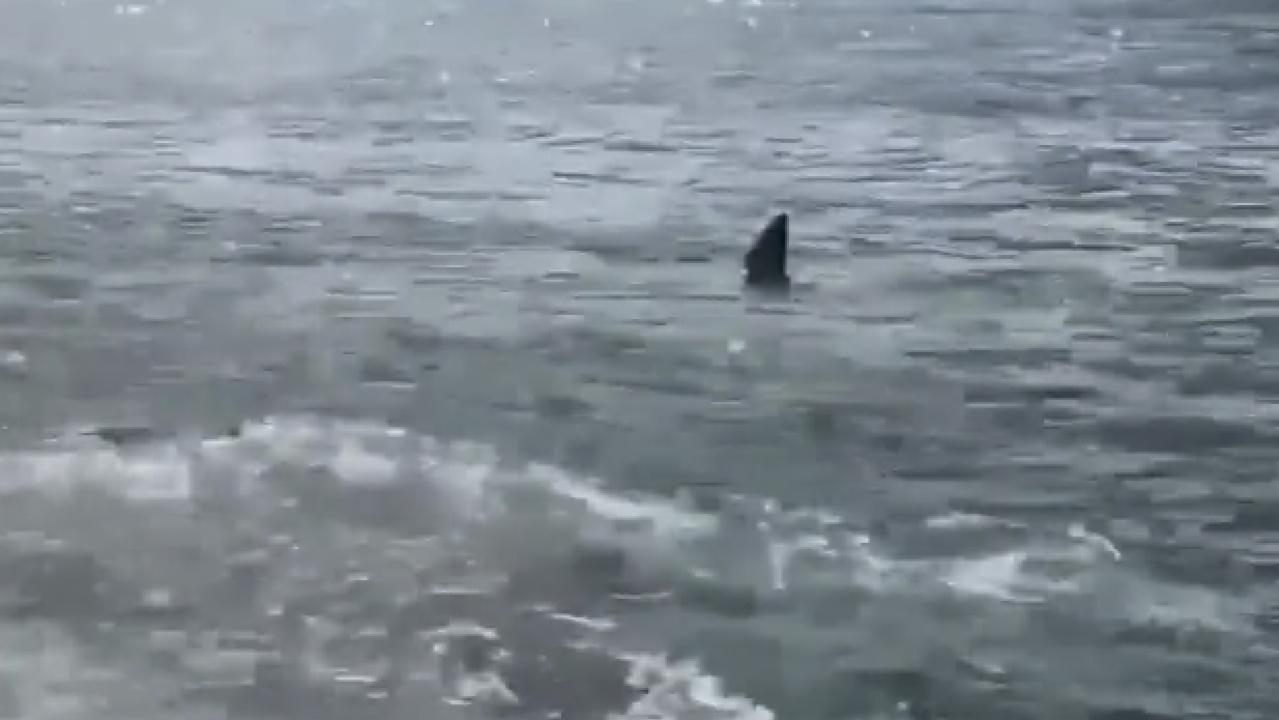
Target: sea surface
[(389, 359)]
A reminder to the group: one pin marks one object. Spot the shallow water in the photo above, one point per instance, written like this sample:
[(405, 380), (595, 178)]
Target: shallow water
[(434, 393)]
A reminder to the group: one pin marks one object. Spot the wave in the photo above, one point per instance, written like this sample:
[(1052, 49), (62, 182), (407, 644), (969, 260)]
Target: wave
[(348, 563)]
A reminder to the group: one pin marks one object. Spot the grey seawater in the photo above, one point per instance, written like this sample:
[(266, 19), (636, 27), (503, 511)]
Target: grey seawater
[(388, 359)]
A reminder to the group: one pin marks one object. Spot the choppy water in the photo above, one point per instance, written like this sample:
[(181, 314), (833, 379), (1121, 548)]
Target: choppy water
[(453, 406)]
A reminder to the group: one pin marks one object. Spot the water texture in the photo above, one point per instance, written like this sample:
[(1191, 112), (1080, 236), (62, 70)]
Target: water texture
[(388, 359)]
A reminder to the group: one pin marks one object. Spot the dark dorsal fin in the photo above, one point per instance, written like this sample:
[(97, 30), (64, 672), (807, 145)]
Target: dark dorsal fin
[(766, 260)]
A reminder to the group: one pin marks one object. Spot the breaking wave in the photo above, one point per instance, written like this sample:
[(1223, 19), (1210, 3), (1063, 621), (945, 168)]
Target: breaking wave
[(314, 562)]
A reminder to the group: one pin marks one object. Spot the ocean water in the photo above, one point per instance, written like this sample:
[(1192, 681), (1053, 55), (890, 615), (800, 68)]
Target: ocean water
[(389, 359)]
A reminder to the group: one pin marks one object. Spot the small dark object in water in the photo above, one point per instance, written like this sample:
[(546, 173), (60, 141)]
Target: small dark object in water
[(765, 262), (122, 435), (125, 435)]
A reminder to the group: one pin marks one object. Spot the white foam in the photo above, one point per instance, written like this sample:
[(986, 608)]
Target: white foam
[(496, 505), (474, 490), (355, 452), (485, 688), (665, 517), (1094, 541), (681, 690), (161, 473), (1035, 572), (996, 576), (960, 520), (357, 464), (590, 623)]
